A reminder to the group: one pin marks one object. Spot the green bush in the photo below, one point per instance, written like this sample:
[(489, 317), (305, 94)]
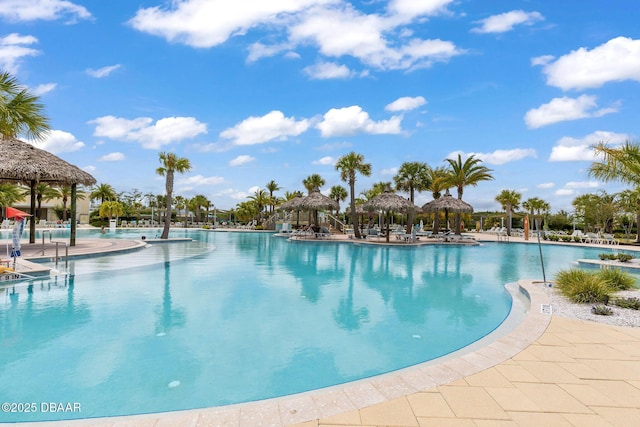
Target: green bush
[(601, 310), (616, 279), (619, 257), (581, 286), (632, 303)]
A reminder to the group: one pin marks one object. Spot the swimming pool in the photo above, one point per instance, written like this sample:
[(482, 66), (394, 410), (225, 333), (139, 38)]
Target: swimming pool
[(236, 317)]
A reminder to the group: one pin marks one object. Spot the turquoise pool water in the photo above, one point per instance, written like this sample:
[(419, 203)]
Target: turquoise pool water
[(236, 317)]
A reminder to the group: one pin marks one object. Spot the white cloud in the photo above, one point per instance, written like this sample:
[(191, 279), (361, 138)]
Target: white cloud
[(409, 9), (335, 27), (103, 72), (58, 141), (198, 180), (143, 131), (258, 130), (112, 157), (616, 60), (406, 103), (569, 149), (545, 185), (564, 192), (542, 60), (204, 23), (327, 70), (13, 48), (564, 109), (581, 184), (352, 120), (48, 10), (506, 21), (327, 160), (241, 160), (499, 157), (43, 89)]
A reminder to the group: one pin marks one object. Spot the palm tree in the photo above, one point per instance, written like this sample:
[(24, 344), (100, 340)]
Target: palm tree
[(349, 165), (464, 174), (339, 194), (20, 111), (64, 192), (313, 181), (412, 176), (260, 200), (103, 192), (180, 203), (44, 193), (170, 164), (619, 164), (272, 187), (10, 194), (510, 201), (438, 179)]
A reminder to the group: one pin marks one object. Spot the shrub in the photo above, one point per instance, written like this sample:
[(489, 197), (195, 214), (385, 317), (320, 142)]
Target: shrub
[(581, 286), (620, 257), (601, 310), (616, 279), (632, 303)]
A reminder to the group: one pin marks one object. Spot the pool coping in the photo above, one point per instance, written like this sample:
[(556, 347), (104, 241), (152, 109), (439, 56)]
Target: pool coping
[(495, 348)]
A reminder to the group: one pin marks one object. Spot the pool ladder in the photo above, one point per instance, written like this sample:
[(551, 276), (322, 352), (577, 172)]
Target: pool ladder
[(57, 242)]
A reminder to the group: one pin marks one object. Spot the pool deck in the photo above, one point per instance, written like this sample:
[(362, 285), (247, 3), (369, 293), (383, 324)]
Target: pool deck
[(548, 370)]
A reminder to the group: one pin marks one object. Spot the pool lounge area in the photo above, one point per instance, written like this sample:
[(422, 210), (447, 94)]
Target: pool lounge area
[(546, 371)]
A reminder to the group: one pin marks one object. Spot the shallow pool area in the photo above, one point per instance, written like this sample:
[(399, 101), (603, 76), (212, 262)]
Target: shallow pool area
[(237, 317)]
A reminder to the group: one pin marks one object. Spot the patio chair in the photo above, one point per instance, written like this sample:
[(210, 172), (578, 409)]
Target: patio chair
[(609, 239)]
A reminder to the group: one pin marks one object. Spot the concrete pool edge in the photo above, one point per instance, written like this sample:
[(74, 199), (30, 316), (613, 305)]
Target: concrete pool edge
[(496, 347)]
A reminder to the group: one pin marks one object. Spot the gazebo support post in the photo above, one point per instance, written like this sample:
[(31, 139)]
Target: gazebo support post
[(73, 222), (32, 222)]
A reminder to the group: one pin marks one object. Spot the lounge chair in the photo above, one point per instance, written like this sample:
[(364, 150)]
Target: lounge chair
[(609, 239), (591, 238)]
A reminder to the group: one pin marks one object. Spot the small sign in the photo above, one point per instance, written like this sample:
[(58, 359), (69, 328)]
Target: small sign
[(546, 309)]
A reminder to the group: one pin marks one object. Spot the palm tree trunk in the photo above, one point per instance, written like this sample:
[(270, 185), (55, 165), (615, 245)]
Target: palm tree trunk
[(167, 217)]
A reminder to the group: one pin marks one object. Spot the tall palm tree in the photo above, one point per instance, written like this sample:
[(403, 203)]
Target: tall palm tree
[(272, 187), (349, 166), (103, 192), (20, 111), (170, 163), (313, 181), (438, 178), (412, 177), (464, 174), (510, 201)]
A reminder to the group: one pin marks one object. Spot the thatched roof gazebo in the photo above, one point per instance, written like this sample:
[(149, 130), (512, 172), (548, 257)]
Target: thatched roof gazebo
[(389, 202), (23, 163), (317, 201), (448, 203)]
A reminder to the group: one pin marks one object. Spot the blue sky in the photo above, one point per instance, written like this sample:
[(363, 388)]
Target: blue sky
[(252, 90)]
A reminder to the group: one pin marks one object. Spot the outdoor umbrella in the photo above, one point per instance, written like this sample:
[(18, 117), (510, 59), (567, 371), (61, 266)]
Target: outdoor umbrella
[(317, 201), (23, 163), (18, 228), (388, 202), (448, 203)]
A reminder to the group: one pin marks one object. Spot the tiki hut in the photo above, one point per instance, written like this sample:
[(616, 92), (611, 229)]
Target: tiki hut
[(293, 205), (316, 201), (388, 202), (447, 203), (23, 163)]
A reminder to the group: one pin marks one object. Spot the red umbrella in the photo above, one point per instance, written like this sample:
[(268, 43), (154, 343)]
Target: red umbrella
[(16, 213)]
